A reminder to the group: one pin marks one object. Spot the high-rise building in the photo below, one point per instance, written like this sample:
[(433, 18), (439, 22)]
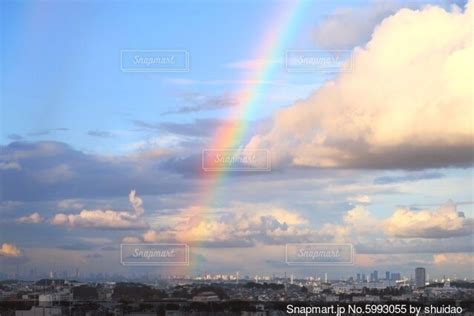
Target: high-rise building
[(420, 277), (395, 276), (374, 276), (358, 277), (387, 275)]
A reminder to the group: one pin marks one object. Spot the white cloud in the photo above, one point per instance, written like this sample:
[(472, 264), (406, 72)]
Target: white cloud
[(108, 219), (357, 225), (442, 223), (248, 224), (407, 104), (136, 202), (34, 218), (360, 226), (361, 199), (242, 224), (361, 220), (105, 219)]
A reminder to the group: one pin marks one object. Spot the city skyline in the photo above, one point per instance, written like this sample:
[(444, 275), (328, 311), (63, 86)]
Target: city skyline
[(360, 276)]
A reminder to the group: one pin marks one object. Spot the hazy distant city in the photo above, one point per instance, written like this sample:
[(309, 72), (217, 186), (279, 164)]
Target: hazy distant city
[(227, 294)]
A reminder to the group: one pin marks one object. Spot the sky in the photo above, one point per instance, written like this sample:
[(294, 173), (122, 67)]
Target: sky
[(376, 152)]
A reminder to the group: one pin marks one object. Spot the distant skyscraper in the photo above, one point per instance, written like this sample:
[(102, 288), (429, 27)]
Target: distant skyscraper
[(358, 277), (420, 277), (33, 274), (325, 278), (395, 276), (374, 276), (387, 275)]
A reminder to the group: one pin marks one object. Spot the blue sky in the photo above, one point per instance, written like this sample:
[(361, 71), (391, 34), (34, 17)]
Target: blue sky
[(370, 157), (62, 62)]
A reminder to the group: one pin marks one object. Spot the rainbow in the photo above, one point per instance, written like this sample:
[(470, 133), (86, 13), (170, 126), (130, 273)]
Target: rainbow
[(279, 32)]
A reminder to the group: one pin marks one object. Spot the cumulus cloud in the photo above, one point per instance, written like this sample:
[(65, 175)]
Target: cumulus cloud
[(441, 223), (34, 218), (242, 225), (443, 259), (401, 229), (407, 104), (360, 220), (10, 250), (404, 231), (159, 235), (105, 219), (358, 223)]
